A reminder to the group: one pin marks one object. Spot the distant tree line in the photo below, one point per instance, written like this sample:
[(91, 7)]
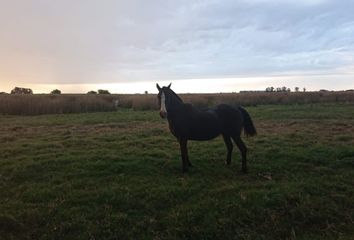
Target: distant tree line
[(99, 91), (21, 90), (283, 89)]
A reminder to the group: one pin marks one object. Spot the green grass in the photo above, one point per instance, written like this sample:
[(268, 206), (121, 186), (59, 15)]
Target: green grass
[(118, 176)]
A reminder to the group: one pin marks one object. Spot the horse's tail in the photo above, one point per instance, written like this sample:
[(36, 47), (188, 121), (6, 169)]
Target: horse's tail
[(248, 125)]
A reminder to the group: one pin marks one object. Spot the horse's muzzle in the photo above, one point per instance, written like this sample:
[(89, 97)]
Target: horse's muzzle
[(163, 114)]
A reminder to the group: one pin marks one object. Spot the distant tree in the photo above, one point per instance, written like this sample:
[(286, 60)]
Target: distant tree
[(3, 93), (304, 89), (270, 89), (297, 89), (101, 91), (92, 92), (146, 92), (19, 90), (55, 91), (278, 89)]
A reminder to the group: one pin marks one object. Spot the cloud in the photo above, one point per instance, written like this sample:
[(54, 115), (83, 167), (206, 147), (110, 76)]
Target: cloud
[(79, 41)]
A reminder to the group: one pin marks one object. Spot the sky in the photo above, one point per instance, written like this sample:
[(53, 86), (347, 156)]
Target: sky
[(199, 46)]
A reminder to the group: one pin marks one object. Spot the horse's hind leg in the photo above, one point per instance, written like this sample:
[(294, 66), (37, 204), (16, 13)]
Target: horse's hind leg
[(229, 146), (241, 145)]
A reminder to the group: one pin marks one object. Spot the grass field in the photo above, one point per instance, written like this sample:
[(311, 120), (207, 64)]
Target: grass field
[(117, 175)]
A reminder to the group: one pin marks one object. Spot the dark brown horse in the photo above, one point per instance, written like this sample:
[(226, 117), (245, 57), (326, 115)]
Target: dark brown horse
[(188, 123)]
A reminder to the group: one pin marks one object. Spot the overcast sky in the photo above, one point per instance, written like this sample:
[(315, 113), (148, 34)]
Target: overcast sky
[(227, 45)]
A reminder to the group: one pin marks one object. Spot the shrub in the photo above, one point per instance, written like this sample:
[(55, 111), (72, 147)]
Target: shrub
[(101, 91), (55, 91), (20, 90)]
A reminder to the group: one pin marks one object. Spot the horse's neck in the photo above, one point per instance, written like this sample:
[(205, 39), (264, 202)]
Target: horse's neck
[(175, 107), (181, 111), (176, 104)]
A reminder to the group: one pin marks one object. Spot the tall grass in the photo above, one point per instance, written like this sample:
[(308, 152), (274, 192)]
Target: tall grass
[(52, 104), (75, 103)]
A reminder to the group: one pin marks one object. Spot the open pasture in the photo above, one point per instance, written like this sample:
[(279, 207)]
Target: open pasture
[(117, 175)]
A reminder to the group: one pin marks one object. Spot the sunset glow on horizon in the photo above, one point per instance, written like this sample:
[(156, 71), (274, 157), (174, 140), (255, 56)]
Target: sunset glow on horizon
[(203, 85)]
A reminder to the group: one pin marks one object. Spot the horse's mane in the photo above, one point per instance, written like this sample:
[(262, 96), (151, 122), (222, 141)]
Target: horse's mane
[(174, 94)]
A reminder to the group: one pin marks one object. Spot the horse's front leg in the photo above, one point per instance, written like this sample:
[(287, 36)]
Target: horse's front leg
[(184, 154)]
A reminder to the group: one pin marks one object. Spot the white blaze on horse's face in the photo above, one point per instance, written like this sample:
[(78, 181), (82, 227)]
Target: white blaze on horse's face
[(163, 110)]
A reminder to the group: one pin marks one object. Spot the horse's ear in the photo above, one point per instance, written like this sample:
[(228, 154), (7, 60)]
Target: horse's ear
[(158, 86), (169, 86)]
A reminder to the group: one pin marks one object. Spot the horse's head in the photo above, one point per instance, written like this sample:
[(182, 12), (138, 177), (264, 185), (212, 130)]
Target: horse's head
[(163, 98)]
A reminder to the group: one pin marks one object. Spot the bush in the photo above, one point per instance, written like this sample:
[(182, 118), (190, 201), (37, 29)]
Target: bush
[(101, 91), (20, 90), (55, 91)]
